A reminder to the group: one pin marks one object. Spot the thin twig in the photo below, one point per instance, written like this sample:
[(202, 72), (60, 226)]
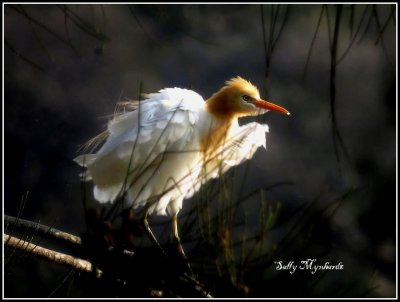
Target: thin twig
[(338, 142), (285, 18), (351, 19), (264, 42), (383, 28), (197, 285), (312, 43), (140, 24), (20, 10), (354, 36), (84, 25), (380, 36), (23, 57), (66, 277)]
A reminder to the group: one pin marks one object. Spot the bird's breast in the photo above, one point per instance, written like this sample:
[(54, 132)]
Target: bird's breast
[(214, 137)]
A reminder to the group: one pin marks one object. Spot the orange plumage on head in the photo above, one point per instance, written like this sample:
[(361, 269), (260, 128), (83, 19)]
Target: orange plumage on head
[(223, 103), (241, 84)]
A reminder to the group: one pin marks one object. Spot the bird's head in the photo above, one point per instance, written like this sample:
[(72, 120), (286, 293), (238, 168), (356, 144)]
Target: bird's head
[(240, 98)]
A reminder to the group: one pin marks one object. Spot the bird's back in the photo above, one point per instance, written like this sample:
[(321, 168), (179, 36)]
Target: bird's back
[(149, 152)]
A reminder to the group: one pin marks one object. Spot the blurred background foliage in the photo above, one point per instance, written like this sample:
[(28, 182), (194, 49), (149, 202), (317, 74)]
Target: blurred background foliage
[(325, 188)]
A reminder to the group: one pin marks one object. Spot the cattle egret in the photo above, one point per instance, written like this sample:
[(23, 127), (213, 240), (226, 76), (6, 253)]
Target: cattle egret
[(160, 150)]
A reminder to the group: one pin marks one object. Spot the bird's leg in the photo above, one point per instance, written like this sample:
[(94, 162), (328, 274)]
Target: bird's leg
[(178, 243), (176, 238), (150, 233)]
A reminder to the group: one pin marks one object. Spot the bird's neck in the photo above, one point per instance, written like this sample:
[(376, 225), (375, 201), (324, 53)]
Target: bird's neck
[(218, 106), (222, 120)]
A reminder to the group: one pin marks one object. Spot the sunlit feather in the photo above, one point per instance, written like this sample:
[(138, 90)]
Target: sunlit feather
[(159, 151)]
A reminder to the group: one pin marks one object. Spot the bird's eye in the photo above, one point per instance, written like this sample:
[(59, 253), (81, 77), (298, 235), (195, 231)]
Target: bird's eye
[(246, 98)]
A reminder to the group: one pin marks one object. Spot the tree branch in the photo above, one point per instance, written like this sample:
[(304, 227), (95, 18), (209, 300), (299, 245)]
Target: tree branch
[(50, 255), (42, 230), (70, 261)]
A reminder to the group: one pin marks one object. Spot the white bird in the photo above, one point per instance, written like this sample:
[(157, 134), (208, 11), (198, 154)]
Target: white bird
[(166, 146)]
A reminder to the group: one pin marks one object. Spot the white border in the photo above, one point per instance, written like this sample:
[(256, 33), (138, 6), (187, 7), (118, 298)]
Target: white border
[(3, 151)]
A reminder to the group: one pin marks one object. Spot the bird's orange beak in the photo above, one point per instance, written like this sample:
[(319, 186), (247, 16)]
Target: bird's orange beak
[(270, 106)]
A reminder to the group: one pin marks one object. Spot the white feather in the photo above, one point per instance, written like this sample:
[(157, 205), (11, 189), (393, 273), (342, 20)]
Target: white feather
[(153, 154)]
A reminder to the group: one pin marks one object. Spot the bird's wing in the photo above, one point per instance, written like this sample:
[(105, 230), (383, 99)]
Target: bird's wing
[(240, 145), (244, 141), (138, 141)]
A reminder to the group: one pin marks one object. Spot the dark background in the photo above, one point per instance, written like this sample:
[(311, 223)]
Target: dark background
[(66, 67)]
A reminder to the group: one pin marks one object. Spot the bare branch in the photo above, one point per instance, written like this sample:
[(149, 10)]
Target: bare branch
[(50, 255), (43, 230), (48, 231)]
